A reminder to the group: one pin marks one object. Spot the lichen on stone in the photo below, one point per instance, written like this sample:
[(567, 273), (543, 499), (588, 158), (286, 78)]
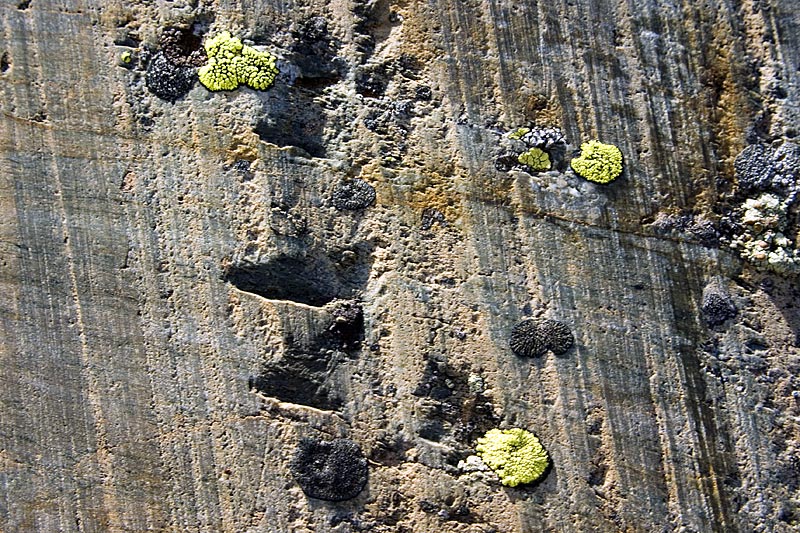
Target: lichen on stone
[(533, 337), (598, 162), (516, 455), (527, 339), (754, 168), (231, 63), (545, 138), (333, 470), (557, 336), (167, 80), (535, 159), (352, 195), (762, 241), (717, 305)]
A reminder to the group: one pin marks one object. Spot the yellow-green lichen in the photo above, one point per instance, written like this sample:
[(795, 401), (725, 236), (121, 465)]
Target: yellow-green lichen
[(231, 63), (126, 57), (598, 162), (518, 133), (536, 159), (515, 455)]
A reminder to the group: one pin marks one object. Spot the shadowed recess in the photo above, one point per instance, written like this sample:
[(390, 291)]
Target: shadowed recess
[(314, 279)]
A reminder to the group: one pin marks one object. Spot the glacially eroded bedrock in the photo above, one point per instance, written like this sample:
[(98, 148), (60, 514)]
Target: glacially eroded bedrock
[(195, 283)]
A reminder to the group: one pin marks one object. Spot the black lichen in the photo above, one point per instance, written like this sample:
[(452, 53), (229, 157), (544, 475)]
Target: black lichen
[(167, 80), (352, 195), (717, 305), (527, 339), (754, 168), (533, 337), (557, 336), (329, 470)]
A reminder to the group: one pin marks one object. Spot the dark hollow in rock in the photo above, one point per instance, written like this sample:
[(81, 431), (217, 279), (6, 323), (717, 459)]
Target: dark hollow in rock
[(347, 329), (431, 216), (333, 470), (303, 377), (314, 279), (297, 120), (717, 306), (557, 336), (5, 62), (754, 168), (533, 337), (314, 54), (352, 195), (506, 162), (423, 93), (183, 47), (167, 80)]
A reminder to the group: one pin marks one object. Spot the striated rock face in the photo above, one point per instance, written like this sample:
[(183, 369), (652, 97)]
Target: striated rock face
[(183, 302)]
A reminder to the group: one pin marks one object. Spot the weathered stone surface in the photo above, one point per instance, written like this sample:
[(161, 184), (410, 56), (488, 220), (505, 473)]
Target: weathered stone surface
[(160, 258)]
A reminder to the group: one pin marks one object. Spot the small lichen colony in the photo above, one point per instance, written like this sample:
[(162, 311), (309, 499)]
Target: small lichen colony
[(763, 240), (333, 470), (535, 159), (533, 337), (352, 195), (767, 227), (598, 162), (516, 455), (231, 63)]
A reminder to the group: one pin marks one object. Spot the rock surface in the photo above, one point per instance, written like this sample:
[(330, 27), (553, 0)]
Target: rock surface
[(171, 271)]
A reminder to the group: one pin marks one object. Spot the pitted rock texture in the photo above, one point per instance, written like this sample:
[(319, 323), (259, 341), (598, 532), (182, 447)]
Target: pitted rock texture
[(169, 268)]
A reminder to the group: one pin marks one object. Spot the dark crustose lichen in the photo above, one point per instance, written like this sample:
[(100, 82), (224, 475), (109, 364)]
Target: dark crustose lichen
[(329, 470), (754, 168), (533, 337), (167, 80), (717, 306), (352, 195)]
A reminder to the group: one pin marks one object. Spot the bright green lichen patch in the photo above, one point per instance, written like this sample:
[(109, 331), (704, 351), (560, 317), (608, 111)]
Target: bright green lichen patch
[(536, 159), (598, 162), (231, 63), (515, 455)]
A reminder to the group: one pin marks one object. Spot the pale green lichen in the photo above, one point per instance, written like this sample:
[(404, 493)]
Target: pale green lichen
[(231, 63), (598, 162), (515, 455), (762, 241), (518, 133), (536, 159)]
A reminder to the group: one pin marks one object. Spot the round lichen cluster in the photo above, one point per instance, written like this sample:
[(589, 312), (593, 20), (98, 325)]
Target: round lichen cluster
[(536, 159), (598, 162), (516, 455), (329, 470), (533, 337), (231, 63), (352, 195)]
